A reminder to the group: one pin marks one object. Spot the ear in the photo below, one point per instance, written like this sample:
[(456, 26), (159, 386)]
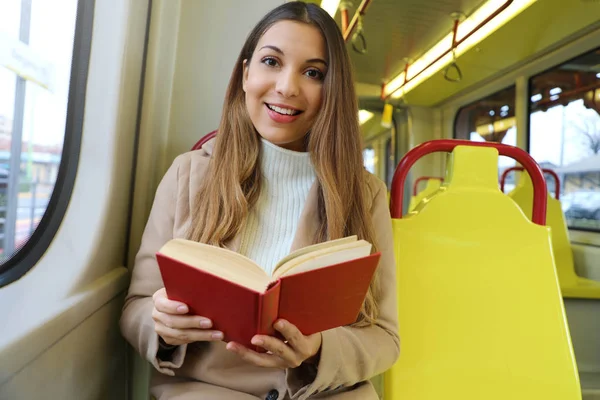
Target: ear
[(244, 74)]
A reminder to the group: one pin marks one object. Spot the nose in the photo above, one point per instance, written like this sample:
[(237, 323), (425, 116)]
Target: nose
[(288, 84)]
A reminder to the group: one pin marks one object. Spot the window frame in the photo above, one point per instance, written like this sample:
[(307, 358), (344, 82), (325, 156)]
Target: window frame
[(579, 43), (32, 251), (457, 113), (530, 78)]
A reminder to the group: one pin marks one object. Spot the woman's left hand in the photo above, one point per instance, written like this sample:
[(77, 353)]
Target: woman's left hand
[(297, 349)]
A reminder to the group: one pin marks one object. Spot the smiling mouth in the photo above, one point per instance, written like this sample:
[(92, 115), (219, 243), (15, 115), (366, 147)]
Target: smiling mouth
[(283, 111)]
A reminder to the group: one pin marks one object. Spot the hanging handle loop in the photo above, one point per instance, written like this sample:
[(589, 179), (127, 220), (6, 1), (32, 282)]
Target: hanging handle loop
[(452, 72), (453, 67), (359, 36)]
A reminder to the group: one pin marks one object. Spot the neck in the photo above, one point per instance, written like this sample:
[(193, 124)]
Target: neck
[(271, 225), (279, 164)]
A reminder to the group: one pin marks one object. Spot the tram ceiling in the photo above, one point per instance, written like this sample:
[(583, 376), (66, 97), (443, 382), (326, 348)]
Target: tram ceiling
[(401, 30), (396, 30), (530, 35)]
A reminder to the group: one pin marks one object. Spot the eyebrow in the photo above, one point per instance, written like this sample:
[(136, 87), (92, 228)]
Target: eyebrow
[(278, 50)]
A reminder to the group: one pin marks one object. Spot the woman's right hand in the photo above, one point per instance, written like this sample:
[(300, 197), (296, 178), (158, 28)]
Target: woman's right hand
[(175, 327)]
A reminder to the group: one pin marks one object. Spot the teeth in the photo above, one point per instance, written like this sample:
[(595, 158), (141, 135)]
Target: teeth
[(280, 110)]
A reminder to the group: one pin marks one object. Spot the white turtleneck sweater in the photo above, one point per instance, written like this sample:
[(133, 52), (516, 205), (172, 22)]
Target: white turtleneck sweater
[(286, 179)]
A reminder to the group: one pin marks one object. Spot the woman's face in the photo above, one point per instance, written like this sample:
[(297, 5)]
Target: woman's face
[(283, 82)]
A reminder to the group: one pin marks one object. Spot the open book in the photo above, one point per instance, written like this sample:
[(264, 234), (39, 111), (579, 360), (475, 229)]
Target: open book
[(316, 288)]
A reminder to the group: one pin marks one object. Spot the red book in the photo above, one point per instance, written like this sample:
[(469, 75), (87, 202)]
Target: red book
[(315, 288)]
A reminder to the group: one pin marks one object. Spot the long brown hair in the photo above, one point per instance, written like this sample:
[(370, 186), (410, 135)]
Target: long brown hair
[(232, 183)]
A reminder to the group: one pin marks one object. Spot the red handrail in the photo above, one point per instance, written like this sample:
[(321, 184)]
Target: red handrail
[(544, 170), (424, 178), (447, 145), (204, 139), (344, 16)]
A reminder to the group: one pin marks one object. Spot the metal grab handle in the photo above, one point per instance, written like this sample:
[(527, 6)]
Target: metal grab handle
[(447, 145), (359, 35), (454, 66), (544, 170), (424, 178)]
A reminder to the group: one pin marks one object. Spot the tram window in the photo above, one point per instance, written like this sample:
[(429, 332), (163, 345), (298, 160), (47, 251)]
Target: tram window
[(369, 159), (37, 42), (490, 119), (564, 134)]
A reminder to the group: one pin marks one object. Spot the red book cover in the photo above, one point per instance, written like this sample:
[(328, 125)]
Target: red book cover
[(314, 300), (237, 311), (326, 298)]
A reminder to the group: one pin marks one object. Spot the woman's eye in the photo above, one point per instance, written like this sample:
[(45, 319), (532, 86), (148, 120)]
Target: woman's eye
[(314, 74), (271, 62)]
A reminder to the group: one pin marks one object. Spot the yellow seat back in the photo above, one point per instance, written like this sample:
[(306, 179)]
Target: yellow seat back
[(431, 187), (479, 307), (571, 284)]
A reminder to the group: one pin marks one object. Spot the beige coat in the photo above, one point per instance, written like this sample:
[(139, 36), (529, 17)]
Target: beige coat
[(206, 370)]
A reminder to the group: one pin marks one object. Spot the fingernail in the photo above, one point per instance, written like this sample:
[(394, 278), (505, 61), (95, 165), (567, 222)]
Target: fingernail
[(257, 342), (280, 325), (205, 323), (182, 309), (217, 335)]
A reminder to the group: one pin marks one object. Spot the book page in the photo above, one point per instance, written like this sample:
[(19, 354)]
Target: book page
[(314, 248), (325, 257), (224, 263)]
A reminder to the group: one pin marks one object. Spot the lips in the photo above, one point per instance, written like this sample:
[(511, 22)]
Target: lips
[(282, 114), (283, 109)]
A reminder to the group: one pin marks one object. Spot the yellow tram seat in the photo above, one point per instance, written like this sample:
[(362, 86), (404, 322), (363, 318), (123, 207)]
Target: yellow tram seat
[(431, 187), (479, 306), (572, 285)]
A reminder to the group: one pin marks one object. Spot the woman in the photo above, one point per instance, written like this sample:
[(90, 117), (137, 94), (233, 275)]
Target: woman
[(284, 172)]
